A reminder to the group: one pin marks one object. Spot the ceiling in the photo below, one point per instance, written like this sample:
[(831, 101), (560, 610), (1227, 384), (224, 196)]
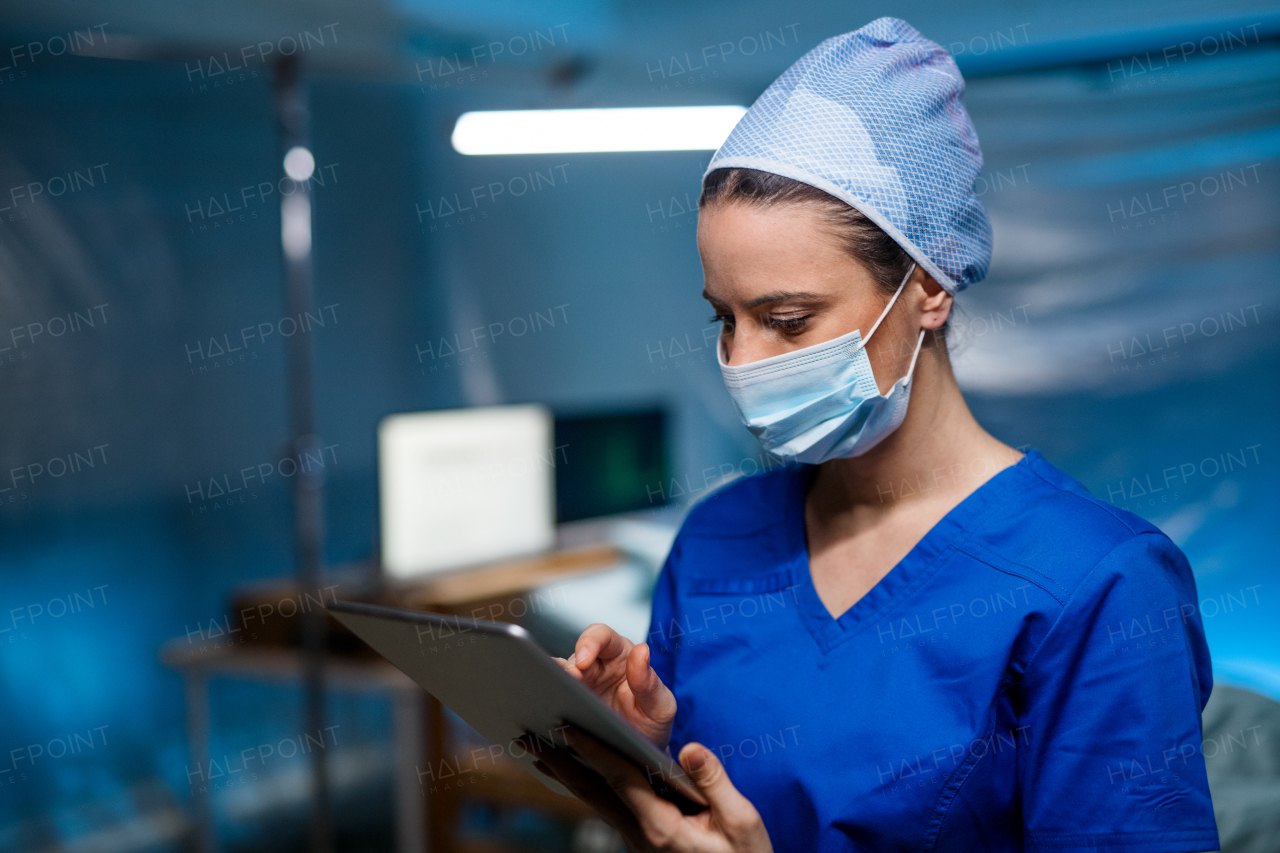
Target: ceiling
[(619, 50)]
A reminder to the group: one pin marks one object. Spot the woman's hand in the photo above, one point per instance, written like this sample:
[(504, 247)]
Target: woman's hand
[(647, 822), (619, 672)]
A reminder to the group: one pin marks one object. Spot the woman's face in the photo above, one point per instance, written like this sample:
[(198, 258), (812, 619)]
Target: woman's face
[(780, 280)]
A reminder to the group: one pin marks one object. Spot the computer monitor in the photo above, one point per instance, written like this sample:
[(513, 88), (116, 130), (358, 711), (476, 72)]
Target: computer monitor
[(610, 462), (463, 487)]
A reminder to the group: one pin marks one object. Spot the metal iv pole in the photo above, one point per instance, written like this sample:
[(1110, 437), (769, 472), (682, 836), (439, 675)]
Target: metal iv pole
[(308, 484)]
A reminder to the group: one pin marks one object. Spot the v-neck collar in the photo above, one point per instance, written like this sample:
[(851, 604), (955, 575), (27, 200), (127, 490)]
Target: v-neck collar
[(924, 559)]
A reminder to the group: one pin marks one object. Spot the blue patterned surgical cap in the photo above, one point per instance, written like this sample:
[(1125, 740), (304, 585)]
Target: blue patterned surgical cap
[(874, 117)]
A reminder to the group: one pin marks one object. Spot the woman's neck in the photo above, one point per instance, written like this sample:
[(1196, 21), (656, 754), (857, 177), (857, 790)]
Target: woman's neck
[(940, 453)]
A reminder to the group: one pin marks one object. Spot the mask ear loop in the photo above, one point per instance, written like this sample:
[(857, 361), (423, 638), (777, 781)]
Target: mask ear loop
[(885, 312), (914, 356), (919, 340)]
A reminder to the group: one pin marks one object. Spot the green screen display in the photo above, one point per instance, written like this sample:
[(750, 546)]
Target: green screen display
[(609, 463)]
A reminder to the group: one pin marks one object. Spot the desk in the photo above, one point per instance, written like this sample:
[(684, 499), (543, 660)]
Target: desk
[(286, 665), (425, 820)]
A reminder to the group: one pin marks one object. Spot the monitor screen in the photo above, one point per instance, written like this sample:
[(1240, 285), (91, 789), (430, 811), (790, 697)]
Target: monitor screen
[(609, 463), (462, 487)]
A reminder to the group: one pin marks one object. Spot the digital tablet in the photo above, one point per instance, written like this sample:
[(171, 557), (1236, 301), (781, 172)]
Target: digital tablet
[(500, 681)]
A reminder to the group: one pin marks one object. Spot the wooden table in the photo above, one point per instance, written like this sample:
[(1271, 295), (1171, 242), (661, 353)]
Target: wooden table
[(426, 813), (284, 665)]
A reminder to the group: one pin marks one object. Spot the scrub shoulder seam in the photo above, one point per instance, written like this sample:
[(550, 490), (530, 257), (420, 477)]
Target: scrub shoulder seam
[(1093, 500), (1010, 567), (1031, 662)]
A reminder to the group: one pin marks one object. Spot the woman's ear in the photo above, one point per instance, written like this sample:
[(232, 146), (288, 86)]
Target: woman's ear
[(935, 305)]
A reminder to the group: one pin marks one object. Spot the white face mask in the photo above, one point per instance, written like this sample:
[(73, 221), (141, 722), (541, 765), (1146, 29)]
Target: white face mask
[(821, 402)]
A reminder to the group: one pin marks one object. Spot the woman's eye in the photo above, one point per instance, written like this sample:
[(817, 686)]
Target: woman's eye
[(727, 319), (786, 324)]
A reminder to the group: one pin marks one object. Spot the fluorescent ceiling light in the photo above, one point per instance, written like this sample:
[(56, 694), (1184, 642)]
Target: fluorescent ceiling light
[(580, 131)]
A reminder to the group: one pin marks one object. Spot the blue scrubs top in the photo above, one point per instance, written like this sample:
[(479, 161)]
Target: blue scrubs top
[(1030, 676)]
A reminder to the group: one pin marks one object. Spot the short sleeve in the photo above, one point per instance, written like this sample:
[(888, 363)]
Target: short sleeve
[(661, 653), (1109, 709)]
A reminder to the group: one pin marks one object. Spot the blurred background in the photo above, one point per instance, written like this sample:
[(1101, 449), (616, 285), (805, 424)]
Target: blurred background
[(1128, 330)]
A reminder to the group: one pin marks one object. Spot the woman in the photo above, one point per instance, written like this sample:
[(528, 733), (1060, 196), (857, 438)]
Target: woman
[(915, 637)]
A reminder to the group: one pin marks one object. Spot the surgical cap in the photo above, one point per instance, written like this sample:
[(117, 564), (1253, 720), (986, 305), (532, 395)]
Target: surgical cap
[(874, 117)]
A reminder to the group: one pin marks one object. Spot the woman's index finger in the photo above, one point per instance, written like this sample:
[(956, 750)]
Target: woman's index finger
[(601, 642)]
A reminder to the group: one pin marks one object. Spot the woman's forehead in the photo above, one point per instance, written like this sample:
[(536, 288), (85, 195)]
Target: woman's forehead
[(786, 244), (766, 227)]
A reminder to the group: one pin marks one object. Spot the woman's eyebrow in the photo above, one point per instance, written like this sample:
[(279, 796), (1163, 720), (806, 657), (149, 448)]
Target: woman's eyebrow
[(776, 296), (782, 295)]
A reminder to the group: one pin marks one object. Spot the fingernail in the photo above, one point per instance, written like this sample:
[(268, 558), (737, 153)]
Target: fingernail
[(697, 759)]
